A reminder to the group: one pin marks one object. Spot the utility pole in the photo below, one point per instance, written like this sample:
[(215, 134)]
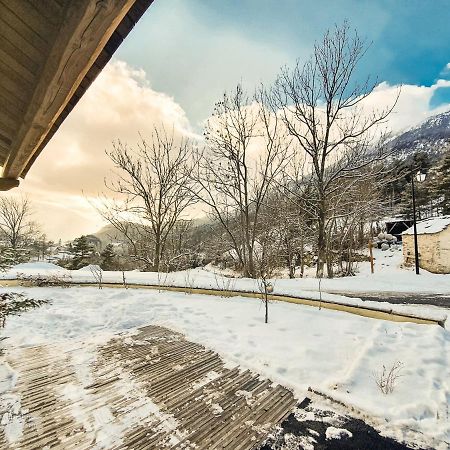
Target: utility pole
[(416, 244)]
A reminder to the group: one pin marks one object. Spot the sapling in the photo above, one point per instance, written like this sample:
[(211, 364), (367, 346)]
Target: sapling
[(266, 288), (224, 284), (97, 273), (189, 282)]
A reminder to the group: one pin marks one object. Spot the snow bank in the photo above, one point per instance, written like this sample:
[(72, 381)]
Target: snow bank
[(36, 266), (387, 278), (337, 433), (334, 352), (89, 268)]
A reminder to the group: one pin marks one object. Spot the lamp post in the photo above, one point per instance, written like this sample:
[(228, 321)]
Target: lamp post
[(420, 176)]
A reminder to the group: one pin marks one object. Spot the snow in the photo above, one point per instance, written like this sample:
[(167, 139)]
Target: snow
[(430, 226), (8, 377), (38, 266), (210, 376), (90, 268), (389, 276), (332, 352), (337, 433), (12, 420)]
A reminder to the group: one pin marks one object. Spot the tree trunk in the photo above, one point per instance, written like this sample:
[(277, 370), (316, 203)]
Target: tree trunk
[(302, 258), (321, 245), (157, 255), (266, 301), (251, 264), (292, 267)]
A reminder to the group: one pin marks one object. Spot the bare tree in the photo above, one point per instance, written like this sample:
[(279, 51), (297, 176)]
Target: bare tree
[(15, 223), (152, 183), (350, 215), (322, 107), (244, 154), (289, 221)]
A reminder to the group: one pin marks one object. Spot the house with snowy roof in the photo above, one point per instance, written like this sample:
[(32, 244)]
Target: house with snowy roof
[(433, 236)]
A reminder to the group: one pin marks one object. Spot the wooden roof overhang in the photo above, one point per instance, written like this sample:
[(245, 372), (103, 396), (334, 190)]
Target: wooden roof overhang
[(50, 52)]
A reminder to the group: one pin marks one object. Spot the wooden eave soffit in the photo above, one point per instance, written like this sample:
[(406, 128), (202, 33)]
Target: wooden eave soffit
[(84, 32)]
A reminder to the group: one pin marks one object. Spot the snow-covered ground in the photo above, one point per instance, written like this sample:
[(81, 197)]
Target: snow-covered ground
[(389, 276), (335, 352)]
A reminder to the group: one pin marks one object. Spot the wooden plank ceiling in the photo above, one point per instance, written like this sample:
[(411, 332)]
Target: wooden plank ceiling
[(51, 51)]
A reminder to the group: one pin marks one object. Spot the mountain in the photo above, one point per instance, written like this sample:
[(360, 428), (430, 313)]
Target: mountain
[(431, 136), (108, 233)]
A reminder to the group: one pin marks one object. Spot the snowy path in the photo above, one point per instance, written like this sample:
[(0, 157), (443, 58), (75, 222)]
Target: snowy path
[(151, 389), (401, 298)]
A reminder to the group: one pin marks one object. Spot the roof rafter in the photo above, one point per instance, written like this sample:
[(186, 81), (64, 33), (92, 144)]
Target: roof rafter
[(88, 34)]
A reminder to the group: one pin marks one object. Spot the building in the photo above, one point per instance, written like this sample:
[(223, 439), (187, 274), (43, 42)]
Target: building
[(397, 226), (433, 236)]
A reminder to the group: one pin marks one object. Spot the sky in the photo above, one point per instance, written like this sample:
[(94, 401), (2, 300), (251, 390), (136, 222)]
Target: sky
[(183, 54)]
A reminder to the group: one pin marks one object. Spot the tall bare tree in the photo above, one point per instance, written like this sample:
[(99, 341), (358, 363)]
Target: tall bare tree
[(153, 187), (15, 221), (322, 107), (244, 154)]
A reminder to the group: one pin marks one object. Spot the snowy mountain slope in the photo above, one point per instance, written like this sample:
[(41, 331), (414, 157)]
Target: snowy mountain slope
[(431, 136)]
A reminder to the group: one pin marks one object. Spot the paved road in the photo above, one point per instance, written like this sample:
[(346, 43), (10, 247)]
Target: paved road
[(442, 301)]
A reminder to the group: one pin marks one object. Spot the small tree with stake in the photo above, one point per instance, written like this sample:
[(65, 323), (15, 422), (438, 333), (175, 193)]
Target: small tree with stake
[(266, 262), (266, 288), (97, 274)]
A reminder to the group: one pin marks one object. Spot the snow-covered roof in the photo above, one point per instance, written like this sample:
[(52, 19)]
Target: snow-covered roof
[(430, 226)]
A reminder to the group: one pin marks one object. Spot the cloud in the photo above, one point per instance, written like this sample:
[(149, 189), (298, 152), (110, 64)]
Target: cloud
[(445, 72), (120, 104), (191, 52), (413, 106)]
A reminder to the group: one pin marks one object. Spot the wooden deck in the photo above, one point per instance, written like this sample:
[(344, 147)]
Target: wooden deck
[(151, 390)]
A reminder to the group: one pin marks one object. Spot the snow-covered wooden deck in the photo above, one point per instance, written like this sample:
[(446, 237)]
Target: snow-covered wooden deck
[(151, 390)]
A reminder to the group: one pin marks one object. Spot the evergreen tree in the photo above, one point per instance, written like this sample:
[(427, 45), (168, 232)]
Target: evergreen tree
[(11, 256), (420, 161), (441, 184), (83, 253), (108, 258)]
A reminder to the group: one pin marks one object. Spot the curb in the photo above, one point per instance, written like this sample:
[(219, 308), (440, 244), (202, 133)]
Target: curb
[(364, 311)]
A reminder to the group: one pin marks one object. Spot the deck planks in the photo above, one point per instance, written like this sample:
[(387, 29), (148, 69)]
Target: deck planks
[(153, 389)]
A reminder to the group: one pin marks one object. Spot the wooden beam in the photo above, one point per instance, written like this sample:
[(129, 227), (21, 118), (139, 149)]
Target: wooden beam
[(86, 29), (8, 183)]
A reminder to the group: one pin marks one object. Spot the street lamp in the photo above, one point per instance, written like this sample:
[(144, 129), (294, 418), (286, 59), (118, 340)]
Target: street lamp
[(420, 176)]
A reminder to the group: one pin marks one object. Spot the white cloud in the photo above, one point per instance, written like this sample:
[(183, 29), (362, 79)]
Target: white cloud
[(120, 104), (413, 105)]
